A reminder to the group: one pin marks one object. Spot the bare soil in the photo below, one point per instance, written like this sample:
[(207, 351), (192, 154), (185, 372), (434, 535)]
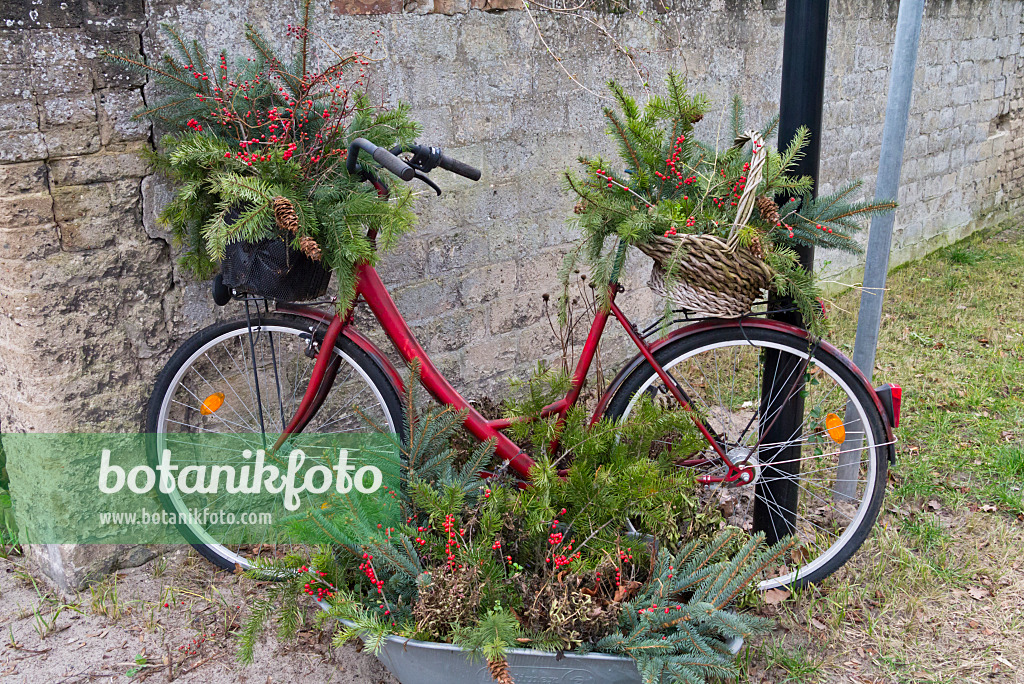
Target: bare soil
[(170, 620)]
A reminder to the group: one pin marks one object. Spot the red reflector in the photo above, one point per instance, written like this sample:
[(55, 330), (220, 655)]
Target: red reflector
[(891, 396), (897, 401)]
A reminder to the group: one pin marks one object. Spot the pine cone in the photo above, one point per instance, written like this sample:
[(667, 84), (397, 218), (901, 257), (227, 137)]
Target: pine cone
[(768, 209), (500, 671), (310, 248), (580, 207), (284, 214), (757, 247), (697, 118)]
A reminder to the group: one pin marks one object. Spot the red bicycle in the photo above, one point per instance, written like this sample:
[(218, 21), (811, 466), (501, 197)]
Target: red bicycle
[(819, 475)]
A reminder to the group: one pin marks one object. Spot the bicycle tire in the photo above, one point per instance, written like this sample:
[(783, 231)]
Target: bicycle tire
[(359, 361), (687, 348)]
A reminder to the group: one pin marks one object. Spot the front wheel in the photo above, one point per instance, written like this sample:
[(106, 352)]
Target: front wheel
[(238, 386), (823, 482)]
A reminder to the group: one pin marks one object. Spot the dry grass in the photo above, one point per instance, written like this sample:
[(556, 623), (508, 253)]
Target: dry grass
[(937, 592)]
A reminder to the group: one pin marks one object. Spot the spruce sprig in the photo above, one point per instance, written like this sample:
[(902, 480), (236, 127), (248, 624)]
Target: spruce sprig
[(672, 182), (244, 131)]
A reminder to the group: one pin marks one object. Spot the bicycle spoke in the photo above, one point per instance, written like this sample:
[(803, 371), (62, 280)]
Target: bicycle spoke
[(724, 382), (267, 362)]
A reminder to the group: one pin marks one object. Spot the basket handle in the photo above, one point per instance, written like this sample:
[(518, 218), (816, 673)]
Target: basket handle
[(745, 205)]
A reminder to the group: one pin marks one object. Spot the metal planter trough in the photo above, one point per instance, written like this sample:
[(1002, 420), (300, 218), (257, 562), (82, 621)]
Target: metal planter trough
[(424, 662)]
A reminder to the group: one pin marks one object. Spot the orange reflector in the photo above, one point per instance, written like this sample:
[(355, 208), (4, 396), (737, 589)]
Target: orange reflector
[(212, 403), (834, 427)]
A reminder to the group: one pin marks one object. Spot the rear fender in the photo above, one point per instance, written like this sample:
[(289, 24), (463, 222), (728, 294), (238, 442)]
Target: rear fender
[(762, 323)]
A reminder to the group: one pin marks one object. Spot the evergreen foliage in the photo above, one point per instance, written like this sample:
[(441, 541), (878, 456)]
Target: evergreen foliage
[(674, 183), (488, 565), (241, 132), (677, 629)]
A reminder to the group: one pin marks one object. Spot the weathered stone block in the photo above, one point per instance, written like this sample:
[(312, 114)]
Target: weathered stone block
[(424, 300), (489, 357), (454, 330), (366, 6), (156, 193), (28, 242), (59, 61), (68, 109), (537, 342), (95, 215), (515, 313), (107, 74), (31, 14), (104, 16), (18, 115), (496, 5), (115, 116), (26, 210), (70, 140), (15, 81), (17, 179), (451, 6), (456, 251), (484, 284), (107, 165)]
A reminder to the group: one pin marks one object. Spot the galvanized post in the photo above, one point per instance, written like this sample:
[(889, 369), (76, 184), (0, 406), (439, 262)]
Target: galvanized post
[(894, 135)]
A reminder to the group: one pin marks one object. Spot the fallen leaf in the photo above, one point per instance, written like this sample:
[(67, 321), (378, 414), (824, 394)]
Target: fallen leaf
[(625, 591), (978, 593), (775, 596), (817, 624), (934, 505)]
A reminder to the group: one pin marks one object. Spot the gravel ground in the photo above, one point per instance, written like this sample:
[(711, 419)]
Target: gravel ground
[(169, 620)]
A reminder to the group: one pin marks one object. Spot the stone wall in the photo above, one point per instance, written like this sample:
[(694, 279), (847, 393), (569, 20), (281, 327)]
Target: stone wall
[(91, 303)]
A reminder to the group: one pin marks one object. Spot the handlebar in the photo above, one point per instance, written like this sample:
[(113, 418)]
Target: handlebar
[(381, 156), (425, 159), (460, 168)]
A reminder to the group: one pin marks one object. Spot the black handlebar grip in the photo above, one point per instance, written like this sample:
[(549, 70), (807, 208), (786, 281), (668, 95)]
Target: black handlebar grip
[(455, 166), (393, 164)]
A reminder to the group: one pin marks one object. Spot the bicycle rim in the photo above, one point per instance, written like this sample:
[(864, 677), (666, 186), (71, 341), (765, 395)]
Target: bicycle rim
[(723, 378), (261, 374)]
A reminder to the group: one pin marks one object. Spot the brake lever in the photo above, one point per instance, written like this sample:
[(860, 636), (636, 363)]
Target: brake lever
[(429, 182)]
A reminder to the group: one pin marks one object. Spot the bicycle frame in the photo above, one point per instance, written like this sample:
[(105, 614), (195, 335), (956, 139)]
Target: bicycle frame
[(372, 291)]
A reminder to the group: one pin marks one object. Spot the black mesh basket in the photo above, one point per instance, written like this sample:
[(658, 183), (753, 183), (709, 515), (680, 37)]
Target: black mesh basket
[(272, 269)]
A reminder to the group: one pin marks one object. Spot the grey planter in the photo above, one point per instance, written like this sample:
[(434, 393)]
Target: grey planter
[(424, 662)]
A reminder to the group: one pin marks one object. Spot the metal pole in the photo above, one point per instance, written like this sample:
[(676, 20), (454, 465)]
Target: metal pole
[(803, 91), (894, 135)]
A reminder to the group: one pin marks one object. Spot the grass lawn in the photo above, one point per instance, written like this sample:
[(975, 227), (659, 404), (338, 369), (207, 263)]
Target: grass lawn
[(937, 593)]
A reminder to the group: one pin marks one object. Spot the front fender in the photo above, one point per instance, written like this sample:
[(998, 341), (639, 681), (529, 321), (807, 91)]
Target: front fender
[(350, 332)]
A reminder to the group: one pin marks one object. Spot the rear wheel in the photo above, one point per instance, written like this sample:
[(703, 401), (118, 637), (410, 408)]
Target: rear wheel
[(240, 386), (830, 472)]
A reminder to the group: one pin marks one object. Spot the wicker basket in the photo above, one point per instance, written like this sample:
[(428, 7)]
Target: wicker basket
[(705, 274)]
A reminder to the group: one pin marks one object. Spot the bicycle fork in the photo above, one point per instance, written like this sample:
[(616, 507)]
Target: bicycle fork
[(320, 382)]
